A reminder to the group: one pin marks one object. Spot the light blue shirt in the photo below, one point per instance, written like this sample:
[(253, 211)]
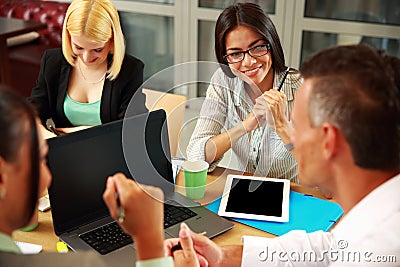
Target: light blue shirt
[(8, 245), (159, 262), (82, 114)]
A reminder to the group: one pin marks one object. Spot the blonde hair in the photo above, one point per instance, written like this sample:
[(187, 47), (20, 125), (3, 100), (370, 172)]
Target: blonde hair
[(98, 20)]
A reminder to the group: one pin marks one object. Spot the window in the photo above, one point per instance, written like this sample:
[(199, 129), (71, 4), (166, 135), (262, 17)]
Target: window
[(167, 32)]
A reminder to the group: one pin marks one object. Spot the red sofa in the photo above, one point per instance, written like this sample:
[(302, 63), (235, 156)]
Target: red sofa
[(25, 58)]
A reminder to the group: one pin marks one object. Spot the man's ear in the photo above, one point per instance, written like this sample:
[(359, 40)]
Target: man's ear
[(329, 140), (2, 169), (3, 190)]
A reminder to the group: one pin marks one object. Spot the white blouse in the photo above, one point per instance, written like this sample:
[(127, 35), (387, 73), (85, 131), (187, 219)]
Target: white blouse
[(261, 151)]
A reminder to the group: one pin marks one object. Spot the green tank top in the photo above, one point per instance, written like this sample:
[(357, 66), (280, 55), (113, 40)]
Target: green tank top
[(80, 114)]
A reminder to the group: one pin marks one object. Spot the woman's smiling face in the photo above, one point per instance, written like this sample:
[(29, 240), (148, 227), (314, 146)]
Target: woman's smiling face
[(241, 39), (89, 52)]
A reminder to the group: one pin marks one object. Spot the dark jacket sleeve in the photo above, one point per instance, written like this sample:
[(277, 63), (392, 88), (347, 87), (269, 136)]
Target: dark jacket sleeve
[(132, 71), (51, 85), (39, 96)]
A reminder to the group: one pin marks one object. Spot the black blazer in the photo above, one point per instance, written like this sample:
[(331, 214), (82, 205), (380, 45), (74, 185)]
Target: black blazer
[(51, 87)]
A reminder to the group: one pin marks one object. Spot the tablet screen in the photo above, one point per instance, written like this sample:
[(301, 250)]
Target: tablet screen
[(256, 198), (266, 199)]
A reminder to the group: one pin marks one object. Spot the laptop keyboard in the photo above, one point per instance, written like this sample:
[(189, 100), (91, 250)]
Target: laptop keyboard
[(106, 238), (175, 213), (110, 237)]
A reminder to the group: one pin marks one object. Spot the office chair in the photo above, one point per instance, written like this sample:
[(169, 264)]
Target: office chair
[(174, 106)]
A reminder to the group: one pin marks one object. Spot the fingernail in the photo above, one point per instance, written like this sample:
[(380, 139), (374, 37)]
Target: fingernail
[(109, 182), (183, 233), (184, 225)]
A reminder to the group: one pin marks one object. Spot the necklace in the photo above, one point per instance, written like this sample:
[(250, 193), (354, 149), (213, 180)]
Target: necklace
[(83, 75)]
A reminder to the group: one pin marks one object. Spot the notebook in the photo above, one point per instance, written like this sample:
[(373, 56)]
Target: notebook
[(80, 163), (305, 213)]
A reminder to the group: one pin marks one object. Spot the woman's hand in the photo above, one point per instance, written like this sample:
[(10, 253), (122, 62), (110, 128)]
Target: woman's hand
[(72, 129), (269, 108), (277, 105), (143, 210)]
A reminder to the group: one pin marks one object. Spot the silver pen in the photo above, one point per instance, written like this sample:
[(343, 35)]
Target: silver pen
[(120, 210)]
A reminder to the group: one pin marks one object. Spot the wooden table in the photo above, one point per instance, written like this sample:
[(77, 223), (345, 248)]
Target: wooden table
[(44, 234), (215, 187), (8, 28)]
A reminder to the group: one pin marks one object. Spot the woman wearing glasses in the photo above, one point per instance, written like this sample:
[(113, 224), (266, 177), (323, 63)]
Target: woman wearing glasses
[(249, 99)]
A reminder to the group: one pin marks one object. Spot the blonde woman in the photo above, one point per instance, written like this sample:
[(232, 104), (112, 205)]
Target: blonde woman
[(90, 80)]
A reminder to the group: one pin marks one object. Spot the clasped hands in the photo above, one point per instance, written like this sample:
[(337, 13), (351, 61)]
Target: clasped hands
[(269, 108)]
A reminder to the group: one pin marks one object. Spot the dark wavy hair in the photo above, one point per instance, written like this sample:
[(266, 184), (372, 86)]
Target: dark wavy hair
[(355, 88), (252, 16), (17, 124)]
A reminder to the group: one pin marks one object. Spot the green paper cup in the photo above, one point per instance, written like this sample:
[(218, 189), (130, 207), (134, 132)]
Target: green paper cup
[(195, 178)]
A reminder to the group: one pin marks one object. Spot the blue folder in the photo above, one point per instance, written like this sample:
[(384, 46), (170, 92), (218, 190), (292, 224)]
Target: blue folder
[(305, 213)]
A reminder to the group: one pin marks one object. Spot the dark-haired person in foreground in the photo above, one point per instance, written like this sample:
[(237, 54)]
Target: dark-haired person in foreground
[(347, 142), (24, 174)]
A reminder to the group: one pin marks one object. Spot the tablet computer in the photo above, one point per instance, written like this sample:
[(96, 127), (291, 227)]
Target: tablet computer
[(257, 198)]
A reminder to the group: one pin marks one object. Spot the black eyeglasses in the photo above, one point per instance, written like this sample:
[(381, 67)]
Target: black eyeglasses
[(257, 51)]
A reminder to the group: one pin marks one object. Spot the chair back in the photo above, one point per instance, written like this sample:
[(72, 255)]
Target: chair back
[(174, 106)]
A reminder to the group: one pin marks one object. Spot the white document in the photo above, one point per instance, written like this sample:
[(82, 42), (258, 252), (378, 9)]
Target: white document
[(28, 248)]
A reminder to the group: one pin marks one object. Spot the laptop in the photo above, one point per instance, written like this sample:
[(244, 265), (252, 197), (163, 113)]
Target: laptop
[(80, 163)]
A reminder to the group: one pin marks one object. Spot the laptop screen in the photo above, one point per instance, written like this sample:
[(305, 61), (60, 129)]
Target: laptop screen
[(82, 161)]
